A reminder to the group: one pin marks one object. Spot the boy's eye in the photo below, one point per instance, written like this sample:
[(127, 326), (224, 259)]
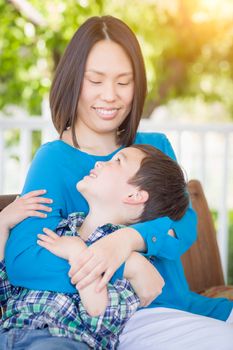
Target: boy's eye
[(117, 159)]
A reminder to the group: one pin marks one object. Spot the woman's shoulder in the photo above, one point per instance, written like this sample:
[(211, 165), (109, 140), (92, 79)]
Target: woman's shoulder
[(155, 139), (51, 151), (53, 147)]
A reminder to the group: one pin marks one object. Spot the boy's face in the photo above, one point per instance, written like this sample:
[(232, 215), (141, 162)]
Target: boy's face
[(108, 181)]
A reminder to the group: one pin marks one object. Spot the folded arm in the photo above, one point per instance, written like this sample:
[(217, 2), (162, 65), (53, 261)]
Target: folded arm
[(69, 248)]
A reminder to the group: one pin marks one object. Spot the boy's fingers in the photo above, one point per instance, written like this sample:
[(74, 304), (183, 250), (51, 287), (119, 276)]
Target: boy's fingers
[(43, 244), (45, 238), (34, 193), (50, 233)]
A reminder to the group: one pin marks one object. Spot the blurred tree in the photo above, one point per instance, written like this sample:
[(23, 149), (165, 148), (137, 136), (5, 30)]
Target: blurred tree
[(187, 45)]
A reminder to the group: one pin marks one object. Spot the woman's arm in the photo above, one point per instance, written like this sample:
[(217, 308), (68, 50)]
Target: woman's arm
[(27, 264), (20, 209), (163, 245)]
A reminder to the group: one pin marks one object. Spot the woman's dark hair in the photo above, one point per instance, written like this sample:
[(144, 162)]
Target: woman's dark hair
[(164, 181), (67, 83)]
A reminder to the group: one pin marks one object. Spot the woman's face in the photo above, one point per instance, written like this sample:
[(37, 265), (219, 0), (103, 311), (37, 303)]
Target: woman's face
[(107, 90)]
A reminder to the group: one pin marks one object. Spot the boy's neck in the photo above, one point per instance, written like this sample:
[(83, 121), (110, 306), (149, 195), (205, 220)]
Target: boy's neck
[(94, 219)]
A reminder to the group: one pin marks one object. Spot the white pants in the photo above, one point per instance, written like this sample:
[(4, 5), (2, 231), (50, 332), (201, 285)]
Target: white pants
[(166, 329)]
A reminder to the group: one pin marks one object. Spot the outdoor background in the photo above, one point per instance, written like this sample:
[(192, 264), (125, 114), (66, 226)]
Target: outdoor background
[(188, 50)]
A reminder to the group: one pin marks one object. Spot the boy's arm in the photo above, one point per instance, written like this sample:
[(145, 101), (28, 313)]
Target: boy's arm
[(69, 248), (144, 278)]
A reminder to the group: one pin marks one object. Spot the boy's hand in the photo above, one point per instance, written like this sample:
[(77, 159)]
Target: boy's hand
[(65, 247), (24, 207)]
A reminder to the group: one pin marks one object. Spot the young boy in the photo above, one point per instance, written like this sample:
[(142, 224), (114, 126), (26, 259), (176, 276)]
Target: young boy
[(140, 183)]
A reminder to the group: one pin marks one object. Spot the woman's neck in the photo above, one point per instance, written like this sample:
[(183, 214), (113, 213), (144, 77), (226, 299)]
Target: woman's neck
[(92, 142)]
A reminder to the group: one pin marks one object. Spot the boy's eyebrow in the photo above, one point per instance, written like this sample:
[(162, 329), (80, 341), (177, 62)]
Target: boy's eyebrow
[(101, 73)]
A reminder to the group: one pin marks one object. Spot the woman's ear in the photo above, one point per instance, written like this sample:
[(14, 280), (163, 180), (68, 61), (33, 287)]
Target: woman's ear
[(136, 197)]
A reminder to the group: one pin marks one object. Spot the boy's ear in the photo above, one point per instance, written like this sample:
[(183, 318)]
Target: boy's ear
[(137, 197)]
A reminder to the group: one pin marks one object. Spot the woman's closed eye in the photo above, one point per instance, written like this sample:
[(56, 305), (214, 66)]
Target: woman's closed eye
[(95, 82), (123, 84)]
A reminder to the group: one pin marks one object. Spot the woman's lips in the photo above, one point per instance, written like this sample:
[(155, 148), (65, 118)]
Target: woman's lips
[(106, 114)]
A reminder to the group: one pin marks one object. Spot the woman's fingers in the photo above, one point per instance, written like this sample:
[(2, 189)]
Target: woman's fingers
[(83, 259), (38, 207), (37, 214), (35, 193), (83, 272), (35, 200), (91, 277), (104, 280)]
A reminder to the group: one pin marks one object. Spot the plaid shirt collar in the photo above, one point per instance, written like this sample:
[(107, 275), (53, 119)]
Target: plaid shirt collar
[(75, 220)]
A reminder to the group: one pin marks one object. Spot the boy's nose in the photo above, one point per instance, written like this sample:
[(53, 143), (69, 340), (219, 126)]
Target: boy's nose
[(98, 164)]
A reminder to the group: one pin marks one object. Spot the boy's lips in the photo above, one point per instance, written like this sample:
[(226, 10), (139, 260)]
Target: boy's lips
[(93, 174)]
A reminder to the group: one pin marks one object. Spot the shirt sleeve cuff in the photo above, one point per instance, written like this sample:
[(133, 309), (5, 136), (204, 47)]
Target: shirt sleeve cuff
[(154, 232)]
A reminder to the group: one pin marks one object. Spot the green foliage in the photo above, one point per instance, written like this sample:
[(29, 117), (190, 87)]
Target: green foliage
[(188, 48)]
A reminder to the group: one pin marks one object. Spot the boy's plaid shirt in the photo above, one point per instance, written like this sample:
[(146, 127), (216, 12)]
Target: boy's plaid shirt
[(63, 313)]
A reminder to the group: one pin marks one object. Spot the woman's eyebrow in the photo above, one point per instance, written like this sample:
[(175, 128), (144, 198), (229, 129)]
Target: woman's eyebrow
[(101, 73)]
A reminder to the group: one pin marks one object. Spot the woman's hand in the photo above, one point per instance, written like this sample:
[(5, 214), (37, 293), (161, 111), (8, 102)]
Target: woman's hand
[(104, 257), (24, 207)]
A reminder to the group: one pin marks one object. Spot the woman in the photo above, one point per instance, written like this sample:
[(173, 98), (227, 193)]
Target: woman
[(97, 100)]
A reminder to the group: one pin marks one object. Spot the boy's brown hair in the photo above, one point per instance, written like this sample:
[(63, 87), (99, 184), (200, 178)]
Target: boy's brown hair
[(164, 181)]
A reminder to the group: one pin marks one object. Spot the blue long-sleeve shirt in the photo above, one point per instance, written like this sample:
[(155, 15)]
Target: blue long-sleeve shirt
[(57, 167)]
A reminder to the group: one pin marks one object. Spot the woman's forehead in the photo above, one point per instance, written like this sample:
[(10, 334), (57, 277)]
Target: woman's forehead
[(107, 53)]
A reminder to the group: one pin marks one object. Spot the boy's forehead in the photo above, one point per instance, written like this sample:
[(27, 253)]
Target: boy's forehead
[(132, 153)]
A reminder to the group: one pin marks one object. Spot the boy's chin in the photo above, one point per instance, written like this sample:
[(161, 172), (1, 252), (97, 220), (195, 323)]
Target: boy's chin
[(80, 186)]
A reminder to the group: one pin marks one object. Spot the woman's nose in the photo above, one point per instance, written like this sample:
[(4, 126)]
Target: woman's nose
[(108, 93)]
